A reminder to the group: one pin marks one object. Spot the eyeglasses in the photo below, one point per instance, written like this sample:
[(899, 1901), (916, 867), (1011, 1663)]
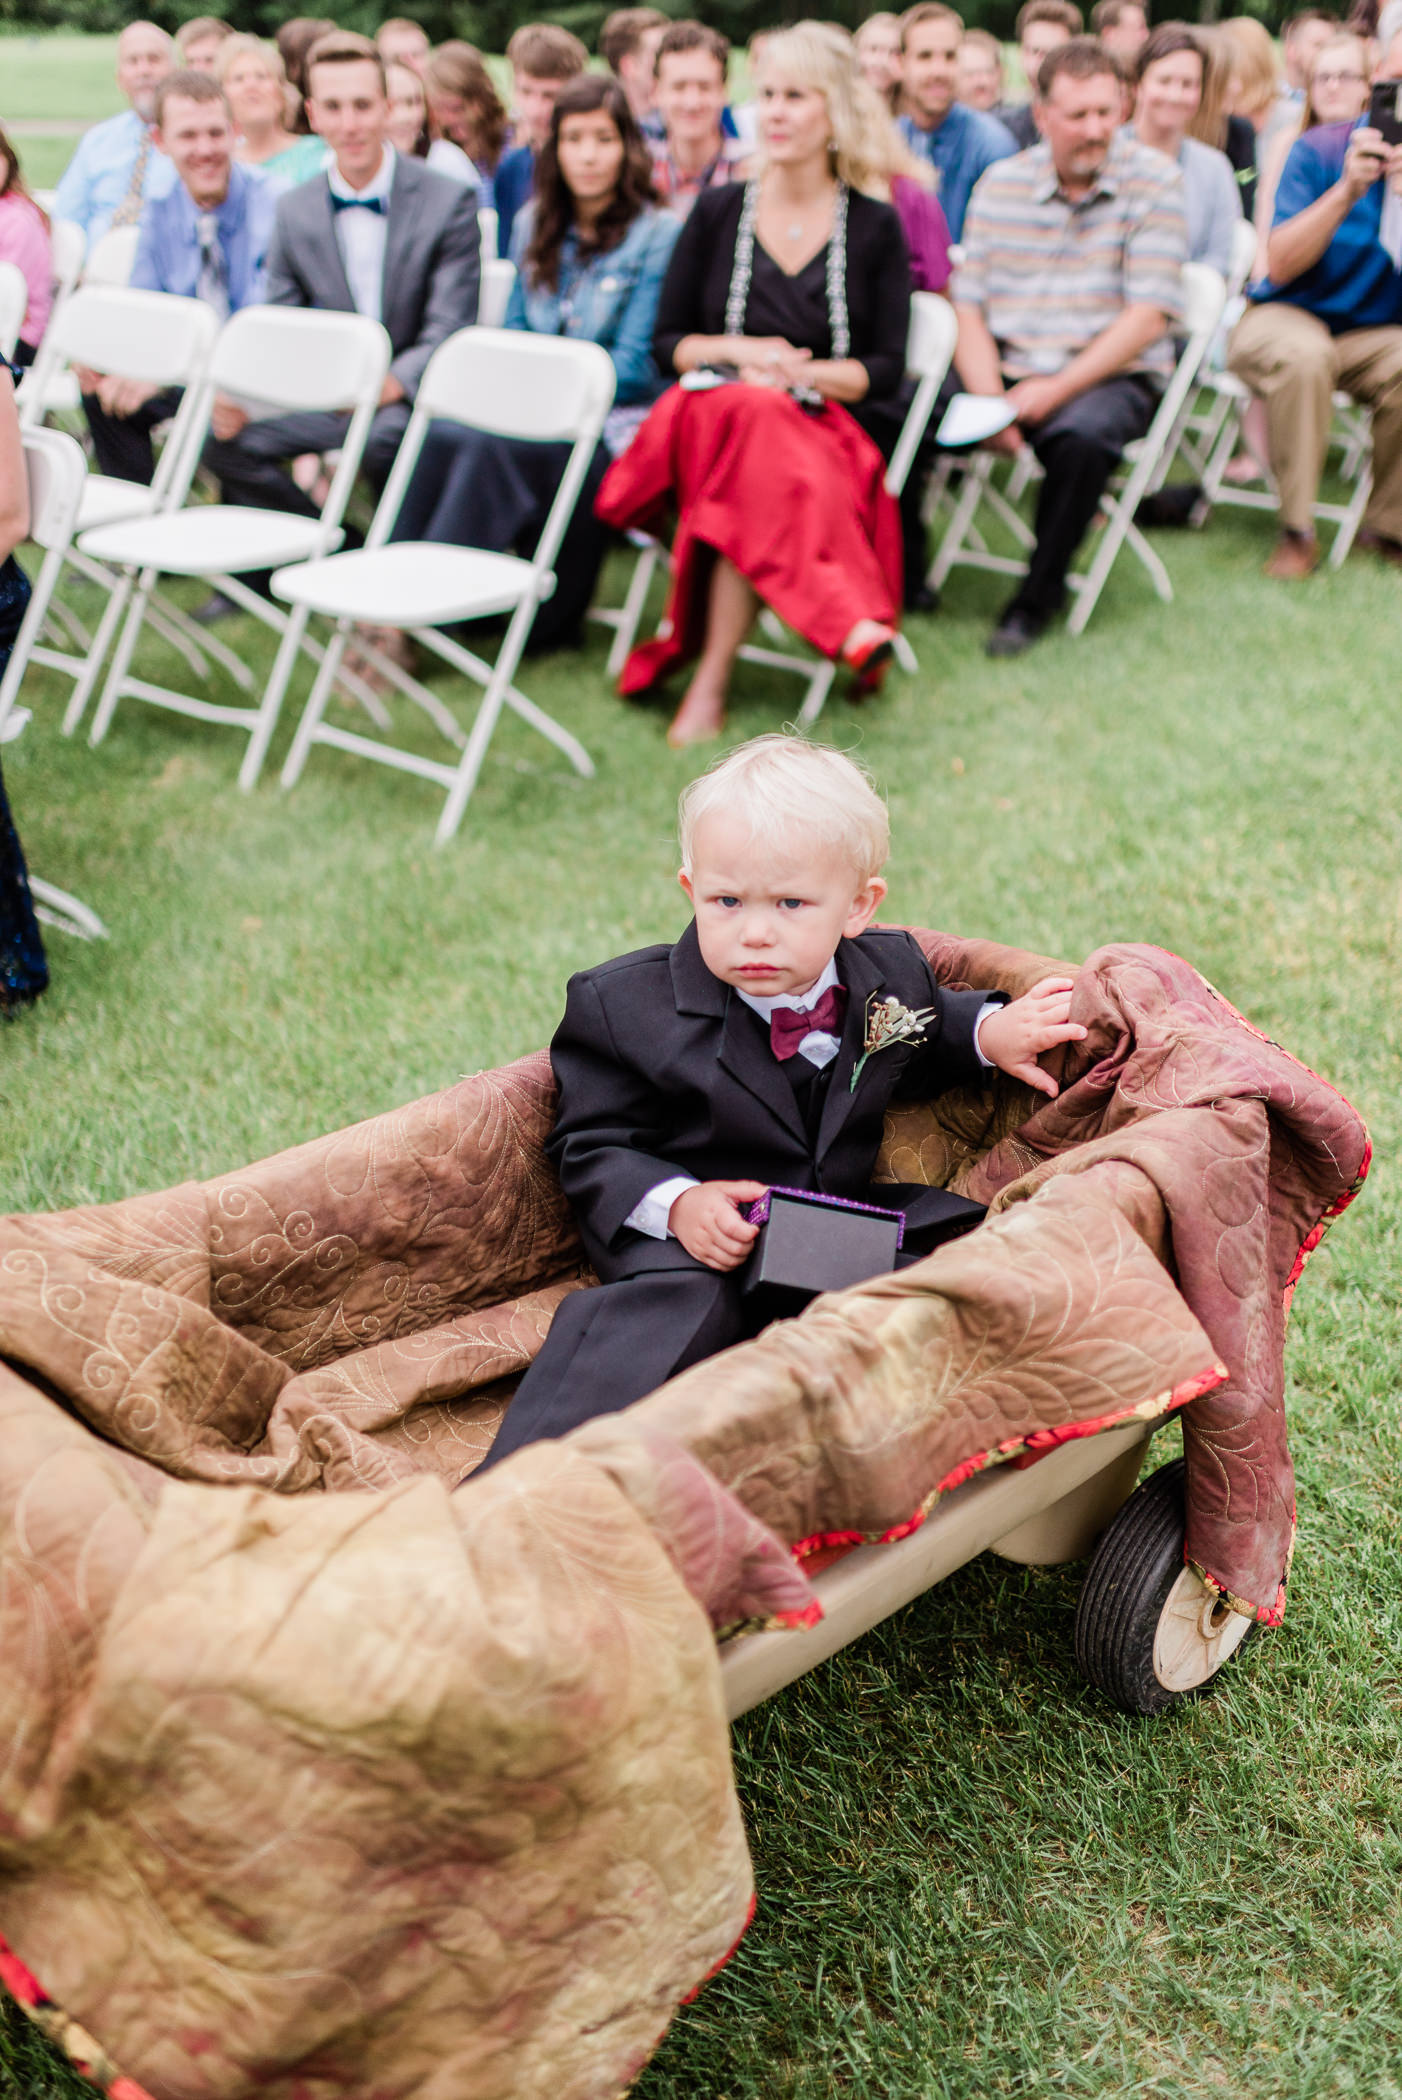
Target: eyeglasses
[(1340, 80)]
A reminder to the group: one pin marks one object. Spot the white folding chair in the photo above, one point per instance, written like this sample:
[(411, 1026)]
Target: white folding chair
[(1351, 435), (56, 470), (1204, 293), (514, 385), (165, 342), (929, 348), (497, 280), (112, 256), (286, 358), (487, 233), (68, 245), (14, 298)]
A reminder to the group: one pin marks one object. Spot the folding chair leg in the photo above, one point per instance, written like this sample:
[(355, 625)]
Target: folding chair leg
[(1351, 519), (630, 615), (268, 712), (117, 599), (976, 474), (56, 908), (819, 686), (905, 655), (316, 705), (121, 661), (493, 701)]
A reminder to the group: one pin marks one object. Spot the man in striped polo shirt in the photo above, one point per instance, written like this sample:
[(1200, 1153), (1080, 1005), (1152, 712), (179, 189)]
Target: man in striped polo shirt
[(1067, 297)]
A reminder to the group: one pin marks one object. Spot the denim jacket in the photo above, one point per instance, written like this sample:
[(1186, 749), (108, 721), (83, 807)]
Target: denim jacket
[(609, 299)]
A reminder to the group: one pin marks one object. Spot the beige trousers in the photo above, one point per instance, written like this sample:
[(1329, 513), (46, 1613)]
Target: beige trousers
[(1290, 359)]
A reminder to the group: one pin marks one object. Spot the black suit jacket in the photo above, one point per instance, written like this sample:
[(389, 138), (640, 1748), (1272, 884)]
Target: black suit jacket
[(432, 261), (662, 1071)]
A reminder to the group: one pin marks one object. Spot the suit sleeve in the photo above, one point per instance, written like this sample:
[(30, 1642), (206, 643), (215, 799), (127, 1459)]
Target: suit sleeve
[(609, 1124), (283, 285), (949, 1058), (450, 302)]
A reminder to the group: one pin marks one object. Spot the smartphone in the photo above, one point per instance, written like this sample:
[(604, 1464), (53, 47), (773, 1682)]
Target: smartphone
[(1385, 110)]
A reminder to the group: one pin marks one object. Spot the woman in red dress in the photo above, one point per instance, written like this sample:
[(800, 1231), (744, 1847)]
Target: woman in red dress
[(784, 312)]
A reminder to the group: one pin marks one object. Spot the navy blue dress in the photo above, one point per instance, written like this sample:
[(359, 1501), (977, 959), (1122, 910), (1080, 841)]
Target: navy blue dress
[(23, 970)]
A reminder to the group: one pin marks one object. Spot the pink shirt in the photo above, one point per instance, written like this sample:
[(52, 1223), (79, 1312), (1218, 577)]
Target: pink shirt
[(926, 234), (24, 240)]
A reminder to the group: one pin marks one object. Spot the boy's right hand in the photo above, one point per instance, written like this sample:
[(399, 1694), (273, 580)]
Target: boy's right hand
[(708, 1223)]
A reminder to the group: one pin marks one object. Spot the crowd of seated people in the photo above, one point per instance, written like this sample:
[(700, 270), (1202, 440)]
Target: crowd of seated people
[(749, 268)]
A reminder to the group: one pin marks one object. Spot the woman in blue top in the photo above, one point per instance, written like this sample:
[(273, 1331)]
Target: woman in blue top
[(590, 250)]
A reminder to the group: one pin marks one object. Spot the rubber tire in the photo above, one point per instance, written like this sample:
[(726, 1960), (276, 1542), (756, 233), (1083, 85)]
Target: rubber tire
[(1133, 1568)]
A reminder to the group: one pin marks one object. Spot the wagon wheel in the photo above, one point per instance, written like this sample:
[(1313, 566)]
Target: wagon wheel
[(1149, 1632)]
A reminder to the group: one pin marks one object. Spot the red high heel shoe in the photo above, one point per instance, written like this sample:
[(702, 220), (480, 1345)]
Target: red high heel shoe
[(869, 665)]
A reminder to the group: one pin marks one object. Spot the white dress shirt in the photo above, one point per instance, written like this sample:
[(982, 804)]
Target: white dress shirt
[(818, 1046), (361, 235)]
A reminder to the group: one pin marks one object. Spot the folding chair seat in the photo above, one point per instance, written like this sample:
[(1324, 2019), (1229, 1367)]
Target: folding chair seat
[(285, 358), (166, 342), (56, 471), (929, 349), (510, 384), (1204, 294)]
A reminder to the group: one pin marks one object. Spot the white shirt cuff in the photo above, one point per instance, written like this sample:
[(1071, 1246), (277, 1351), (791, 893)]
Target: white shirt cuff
[(989, 1006), (650, 1216)]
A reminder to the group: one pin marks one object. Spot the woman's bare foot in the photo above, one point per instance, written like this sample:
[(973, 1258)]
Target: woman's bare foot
[(1241, 471), (699, 719)]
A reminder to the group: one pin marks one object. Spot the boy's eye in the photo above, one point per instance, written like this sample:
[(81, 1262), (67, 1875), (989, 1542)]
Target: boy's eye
[(791, 904), (726, 902)]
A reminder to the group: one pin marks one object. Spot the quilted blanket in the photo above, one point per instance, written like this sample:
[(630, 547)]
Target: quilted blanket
[(323, 1781)]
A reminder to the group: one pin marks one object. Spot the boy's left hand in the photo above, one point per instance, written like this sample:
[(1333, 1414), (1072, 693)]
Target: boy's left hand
[(1015, 1037)]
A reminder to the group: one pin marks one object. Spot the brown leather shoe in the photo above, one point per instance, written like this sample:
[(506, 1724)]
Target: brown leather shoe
[(1370, 542), (1296, 556)]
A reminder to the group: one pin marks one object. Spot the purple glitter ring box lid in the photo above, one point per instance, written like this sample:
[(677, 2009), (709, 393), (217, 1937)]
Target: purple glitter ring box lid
[(810, 1243)]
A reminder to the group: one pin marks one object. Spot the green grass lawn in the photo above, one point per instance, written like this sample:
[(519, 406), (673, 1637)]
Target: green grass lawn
[(975, 1879), (56, 75)]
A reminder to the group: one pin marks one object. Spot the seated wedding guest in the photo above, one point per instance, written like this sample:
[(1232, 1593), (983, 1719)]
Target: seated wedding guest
[(959, 143), (1068, 295), (401, 42), (465, 110), (198, 44), (878, 45), (542, 58), (294, 39), (377, 234), (23, 970), (1121, 26), (24, 241), (691, 1078), (1168, 84), (1302, 37), (628, 47), (793, 290), (117, 166), (207, 240), (981, 72), (408, 130), (1041, 26), (694, 153), (1215, 124), (1254, 88), (255, 83), (1328, 315), (1337, 94), (590, 251)]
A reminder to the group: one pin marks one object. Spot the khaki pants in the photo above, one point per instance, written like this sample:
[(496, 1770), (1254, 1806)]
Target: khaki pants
[(1290, 359)]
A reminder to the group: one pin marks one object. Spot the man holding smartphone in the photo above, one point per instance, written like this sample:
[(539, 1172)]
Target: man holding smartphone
[(1328, 315)]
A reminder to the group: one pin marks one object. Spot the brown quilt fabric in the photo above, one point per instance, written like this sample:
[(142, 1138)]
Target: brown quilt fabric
[(324, 1783)]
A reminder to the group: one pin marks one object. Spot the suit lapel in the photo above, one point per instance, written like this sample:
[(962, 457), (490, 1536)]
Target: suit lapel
[(863, 979), (742, 1050), (325, 248), (398, 227)]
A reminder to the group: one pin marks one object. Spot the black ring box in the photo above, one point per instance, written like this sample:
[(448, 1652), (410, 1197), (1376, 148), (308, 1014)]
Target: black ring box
[(810, 1243)]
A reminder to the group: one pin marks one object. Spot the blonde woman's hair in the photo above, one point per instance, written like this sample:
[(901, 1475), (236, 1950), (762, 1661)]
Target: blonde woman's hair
[(783, 787), (1254, 62), (240, 46), (866, 147)]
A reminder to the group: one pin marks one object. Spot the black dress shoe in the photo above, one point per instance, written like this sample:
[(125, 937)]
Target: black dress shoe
[(1016, 631), (216, 607), (921, 599)]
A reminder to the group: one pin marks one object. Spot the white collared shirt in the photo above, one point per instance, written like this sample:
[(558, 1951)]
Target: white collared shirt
[(361, 235), (818, 1046)]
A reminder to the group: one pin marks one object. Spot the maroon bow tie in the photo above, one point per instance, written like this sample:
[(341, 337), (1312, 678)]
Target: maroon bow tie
[(788, 1027)]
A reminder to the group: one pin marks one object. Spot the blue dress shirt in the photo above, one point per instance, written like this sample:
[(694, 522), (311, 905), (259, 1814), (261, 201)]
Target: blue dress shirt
[(168, 252), (959, 149), (511, 188), (99, 175)]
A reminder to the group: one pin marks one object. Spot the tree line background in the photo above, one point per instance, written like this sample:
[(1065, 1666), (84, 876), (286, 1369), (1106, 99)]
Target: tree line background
[(488, 23)]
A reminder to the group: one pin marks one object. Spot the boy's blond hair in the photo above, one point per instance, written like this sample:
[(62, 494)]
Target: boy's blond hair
[(782, 785)]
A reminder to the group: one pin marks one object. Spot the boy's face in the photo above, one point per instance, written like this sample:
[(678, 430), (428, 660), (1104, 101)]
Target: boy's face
[(534, 99), (768, 917)]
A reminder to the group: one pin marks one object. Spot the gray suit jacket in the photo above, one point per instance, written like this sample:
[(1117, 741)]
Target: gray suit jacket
[(432, 261)]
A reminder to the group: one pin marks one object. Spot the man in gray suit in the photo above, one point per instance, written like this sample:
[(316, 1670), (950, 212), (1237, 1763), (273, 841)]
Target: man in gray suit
[(377, 234)]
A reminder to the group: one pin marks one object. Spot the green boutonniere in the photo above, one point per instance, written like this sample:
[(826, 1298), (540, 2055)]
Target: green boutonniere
[(889, 1022)]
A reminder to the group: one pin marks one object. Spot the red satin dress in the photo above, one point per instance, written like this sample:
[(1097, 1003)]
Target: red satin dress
[(795, 500)]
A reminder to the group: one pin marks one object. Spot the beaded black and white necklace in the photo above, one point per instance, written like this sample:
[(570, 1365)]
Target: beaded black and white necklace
[(738, 297)]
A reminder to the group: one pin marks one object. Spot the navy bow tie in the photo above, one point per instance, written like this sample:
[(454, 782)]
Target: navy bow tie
[(375, 204)]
